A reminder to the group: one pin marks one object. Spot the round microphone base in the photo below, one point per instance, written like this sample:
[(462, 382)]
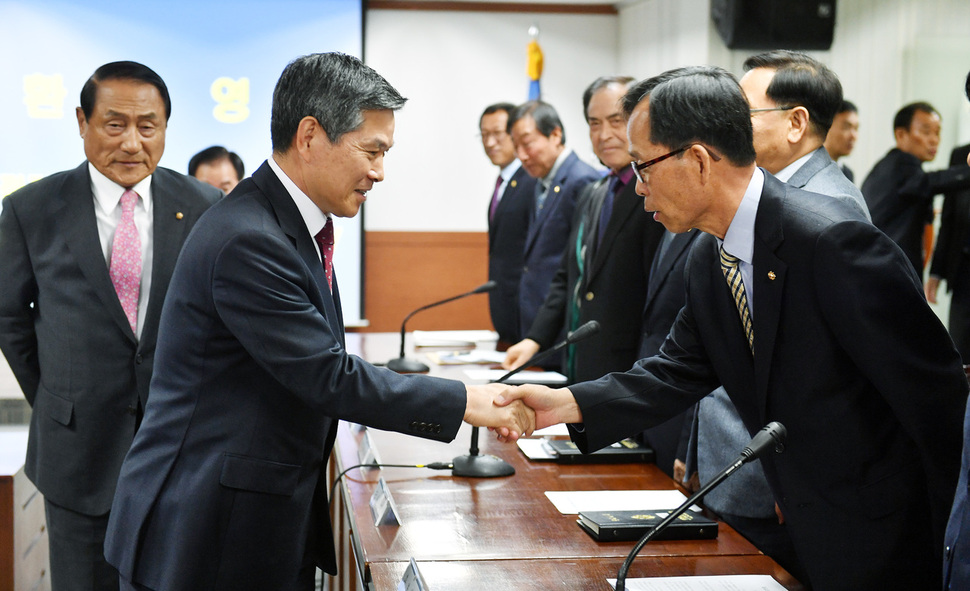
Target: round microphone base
[(403, 365), (481, 467)]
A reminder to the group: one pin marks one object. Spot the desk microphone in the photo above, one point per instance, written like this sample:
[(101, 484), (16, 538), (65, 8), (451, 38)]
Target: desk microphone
[(771, 436), (479, 466), (402, 365)]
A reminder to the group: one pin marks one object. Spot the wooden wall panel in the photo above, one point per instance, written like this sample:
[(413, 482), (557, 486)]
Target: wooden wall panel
[(406, 270)]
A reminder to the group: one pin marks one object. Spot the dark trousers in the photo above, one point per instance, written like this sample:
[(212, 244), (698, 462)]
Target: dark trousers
[(77, 551), (772, 538)]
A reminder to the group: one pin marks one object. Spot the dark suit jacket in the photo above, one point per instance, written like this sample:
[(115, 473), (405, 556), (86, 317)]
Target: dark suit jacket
[(225, 484), (65, 335), (665, 298), (956, 543), (849, 358), (548, 235), (613, 287), (506, 243), (900, 198), (953, 240)]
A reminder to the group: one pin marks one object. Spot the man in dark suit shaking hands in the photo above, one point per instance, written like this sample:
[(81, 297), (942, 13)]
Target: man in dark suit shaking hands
[(832, 338), (86, 256), (225, 484)]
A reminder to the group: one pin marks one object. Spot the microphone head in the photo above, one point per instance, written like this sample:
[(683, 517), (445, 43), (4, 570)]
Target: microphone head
[(487, 286), (771, 436), (585, 331)]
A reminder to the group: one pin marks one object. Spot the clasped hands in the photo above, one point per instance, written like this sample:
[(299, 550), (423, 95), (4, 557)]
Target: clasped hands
[(513, 412)]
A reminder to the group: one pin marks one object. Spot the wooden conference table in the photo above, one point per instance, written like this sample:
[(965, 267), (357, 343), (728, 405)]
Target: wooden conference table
[(496, 533)]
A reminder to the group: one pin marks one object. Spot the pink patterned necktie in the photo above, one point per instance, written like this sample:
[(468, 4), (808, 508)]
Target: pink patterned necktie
[(125, 268), (324, 240)]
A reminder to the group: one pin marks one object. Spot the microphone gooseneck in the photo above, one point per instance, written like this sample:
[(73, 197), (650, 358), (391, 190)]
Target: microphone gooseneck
[(478, 466), (583, 332), (403, 365), (771, 436)]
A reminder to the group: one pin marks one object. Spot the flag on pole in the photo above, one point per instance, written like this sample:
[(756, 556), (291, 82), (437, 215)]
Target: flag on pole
[(535, 65)]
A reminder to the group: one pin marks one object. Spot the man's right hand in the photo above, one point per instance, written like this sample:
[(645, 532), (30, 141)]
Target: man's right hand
[(551, 406), (519, 353), (932, 285)]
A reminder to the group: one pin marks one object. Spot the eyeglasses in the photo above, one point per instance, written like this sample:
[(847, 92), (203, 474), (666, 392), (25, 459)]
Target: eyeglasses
[(784, 108), (639, 168), (497, 135)]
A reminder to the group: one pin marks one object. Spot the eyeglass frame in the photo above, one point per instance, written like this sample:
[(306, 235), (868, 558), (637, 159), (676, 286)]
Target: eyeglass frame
[(639, 168), (766, 109)]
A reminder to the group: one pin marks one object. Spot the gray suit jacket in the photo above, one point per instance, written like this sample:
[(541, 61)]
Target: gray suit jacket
[(822, 175), (65, 335)]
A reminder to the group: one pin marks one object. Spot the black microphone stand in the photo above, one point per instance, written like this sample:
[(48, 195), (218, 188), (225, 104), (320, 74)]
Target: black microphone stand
[(404, 365), (479, 466), (771, 435)]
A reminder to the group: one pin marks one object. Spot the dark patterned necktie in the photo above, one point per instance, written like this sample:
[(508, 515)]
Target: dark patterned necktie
[(324, 240), (731, 267)]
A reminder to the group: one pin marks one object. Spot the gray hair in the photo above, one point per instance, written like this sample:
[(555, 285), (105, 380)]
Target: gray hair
[(334, 89)]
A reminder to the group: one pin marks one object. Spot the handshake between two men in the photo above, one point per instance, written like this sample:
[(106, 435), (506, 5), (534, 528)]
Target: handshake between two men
[(516, 411)]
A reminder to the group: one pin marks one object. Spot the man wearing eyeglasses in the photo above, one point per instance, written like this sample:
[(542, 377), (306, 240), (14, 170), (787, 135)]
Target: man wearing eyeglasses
[(807, 315), (794, 99), (508, 221)]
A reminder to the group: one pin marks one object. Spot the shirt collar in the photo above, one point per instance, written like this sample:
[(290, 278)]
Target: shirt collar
[(510, 169), (546, 180), (312, 215), (108, 193), (624, 177), (739, 238), (789, 171)]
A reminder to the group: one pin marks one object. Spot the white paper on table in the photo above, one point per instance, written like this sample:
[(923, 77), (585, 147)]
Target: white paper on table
[(549, 378), (473, 356), (534, 449), (559, 429), (703, 583), (452, 338), (572, 502)]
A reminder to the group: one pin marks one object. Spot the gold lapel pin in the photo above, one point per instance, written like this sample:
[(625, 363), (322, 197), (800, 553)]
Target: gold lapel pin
[(556, 189), (514, 183), (178, 215), (771, 275)]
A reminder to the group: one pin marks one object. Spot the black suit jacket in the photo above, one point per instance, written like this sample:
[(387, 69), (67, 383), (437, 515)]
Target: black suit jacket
[(65, 335), (225, 484), (612, 288), (849, 357), (665, 298), (900, 198), (506, 241), (953, 240)]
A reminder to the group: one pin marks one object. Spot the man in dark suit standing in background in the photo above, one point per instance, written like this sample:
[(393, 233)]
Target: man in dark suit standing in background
[(868, 384), (218, 167), (540, 143), (898, 192), (951, 259), (86, 256), (225, 484), (606, 263), (508, 221), (842, 136)]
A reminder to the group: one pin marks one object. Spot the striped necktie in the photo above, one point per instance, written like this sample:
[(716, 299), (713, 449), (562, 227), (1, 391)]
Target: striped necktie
[(730, 266)]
